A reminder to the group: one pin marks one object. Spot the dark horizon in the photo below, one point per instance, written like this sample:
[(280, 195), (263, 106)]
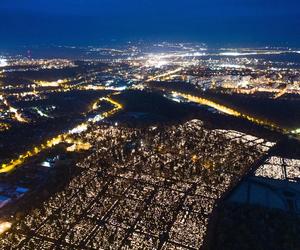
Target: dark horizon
[(66, 22)]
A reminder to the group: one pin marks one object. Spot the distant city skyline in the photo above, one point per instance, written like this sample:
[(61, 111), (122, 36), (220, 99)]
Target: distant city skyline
[(91, 22)]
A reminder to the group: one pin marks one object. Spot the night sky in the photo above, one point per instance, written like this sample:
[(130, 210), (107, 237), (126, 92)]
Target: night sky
[(91, 22)]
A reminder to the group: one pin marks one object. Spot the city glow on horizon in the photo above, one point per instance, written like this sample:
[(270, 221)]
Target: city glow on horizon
[(237, 53), (256, 52)]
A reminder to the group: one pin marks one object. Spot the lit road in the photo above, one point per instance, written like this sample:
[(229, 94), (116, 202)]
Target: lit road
[(152, 78), (281, 93), (17, 115), (7, 167), (229, 111)]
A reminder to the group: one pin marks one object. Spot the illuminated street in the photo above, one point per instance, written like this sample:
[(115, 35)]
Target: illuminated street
[(227, 110), (7, 167)]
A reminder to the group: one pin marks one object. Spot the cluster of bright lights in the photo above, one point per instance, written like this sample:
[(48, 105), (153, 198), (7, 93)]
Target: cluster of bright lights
[(236, 54), (296, 131), (4, 226), (236, 66), (52, 84), (79, 146), (41, 113), (79, 129), (249, 53), (243, 83), (194, 54), (156, 61), (3, 62), (162, 59)]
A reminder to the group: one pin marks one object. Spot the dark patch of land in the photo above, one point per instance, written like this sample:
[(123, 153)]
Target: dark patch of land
[(246, 227), (142, 108), (284, 112)]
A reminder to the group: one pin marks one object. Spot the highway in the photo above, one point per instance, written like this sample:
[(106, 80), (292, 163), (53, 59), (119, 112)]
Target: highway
[(229, 111), (168, 73), (17, 115)]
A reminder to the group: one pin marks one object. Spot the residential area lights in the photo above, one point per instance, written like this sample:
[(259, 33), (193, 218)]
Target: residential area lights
[(7, 167)]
